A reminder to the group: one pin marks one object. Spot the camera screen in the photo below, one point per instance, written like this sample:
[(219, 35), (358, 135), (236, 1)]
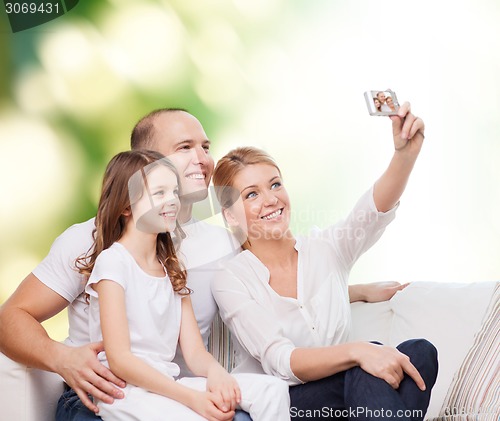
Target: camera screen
[(382, 102)]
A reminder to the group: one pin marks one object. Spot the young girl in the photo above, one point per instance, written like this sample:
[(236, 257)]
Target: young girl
[(140, 306)]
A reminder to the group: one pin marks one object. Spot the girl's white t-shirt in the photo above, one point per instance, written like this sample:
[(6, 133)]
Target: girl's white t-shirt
[(204, 247), (153, 308)]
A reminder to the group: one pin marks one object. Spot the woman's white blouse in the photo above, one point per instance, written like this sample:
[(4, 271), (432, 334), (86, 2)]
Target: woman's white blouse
[(268, 326)]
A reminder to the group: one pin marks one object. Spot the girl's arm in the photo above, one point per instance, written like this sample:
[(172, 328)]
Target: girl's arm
[(408, 133), (133, 369), (202, 363)]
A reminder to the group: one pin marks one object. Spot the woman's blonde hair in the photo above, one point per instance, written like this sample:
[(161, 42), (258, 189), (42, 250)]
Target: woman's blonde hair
[(116, 198)]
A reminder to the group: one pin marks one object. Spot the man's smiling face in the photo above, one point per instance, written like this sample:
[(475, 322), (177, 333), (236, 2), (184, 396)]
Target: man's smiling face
[(180, 136)]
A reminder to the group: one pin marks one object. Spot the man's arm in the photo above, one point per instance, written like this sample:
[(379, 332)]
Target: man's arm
[(20, 318), (23, 339)]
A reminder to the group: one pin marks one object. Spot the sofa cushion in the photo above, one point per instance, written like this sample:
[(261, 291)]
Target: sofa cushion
[(371, 322), (446, 314), (27, 394), (475, 390)]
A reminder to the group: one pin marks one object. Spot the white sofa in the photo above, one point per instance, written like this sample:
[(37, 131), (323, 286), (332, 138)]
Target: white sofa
[(449, 315)]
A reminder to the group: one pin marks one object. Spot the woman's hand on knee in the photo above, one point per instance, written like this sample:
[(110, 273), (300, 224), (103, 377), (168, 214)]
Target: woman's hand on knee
[(388, 364)]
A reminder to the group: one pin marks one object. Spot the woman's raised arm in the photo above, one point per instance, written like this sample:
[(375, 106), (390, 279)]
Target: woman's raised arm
[(408, 133)]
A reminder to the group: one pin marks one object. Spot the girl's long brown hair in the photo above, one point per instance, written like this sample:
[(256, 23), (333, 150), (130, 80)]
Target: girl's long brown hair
[(115, 200)]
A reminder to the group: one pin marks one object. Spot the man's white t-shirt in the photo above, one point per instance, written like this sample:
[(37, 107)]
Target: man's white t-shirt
[(204, 247)]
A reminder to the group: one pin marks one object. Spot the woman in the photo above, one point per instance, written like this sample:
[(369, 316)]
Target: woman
[(390, 103), (286, 300)]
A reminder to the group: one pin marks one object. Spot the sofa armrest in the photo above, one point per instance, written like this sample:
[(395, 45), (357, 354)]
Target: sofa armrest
[(28, 394)]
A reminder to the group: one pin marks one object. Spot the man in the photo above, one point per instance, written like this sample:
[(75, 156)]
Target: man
[(54, 284)]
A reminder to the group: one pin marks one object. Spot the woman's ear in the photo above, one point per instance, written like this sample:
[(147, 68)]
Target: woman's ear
[(229, 217)]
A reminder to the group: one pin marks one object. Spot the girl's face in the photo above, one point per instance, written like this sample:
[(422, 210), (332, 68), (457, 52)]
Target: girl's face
[(156, 211), (263, 209), (377, 103)]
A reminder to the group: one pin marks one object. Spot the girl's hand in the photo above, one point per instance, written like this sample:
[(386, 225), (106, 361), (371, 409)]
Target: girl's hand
[(388, 364), (408, 131), (208, 404), (225, 386)]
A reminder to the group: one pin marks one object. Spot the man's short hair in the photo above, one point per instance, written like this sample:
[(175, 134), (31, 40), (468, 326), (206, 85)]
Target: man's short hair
[(143, 134)]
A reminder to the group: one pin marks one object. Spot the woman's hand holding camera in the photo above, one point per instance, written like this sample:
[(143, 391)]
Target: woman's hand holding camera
[(408, 131)]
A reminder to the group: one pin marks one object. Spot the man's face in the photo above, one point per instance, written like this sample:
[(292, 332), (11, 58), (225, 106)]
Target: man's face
[(381, 97), (180, 136)]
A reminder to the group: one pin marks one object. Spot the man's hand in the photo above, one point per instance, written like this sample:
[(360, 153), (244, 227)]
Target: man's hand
[(375, 292), (83, 372)]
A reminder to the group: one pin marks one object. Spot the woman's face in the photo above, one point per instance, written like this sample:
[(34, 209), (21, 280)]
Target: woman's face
[(156, 211), (377, 103), (263, 209)]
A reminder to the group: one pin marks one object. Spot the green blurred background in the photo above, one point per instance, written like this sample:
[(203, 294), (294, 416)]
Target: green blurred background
[(285, 75)]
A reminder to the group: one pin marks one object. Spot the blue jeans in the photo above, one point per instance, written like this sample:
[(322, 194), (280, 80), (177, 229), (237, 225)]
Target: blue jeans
[(241, 416), (355, 394), (71, 408)]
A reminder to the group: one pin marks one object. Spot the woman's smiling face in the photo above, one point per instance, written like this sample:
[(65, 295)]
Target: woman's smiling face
[(263, 209)]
